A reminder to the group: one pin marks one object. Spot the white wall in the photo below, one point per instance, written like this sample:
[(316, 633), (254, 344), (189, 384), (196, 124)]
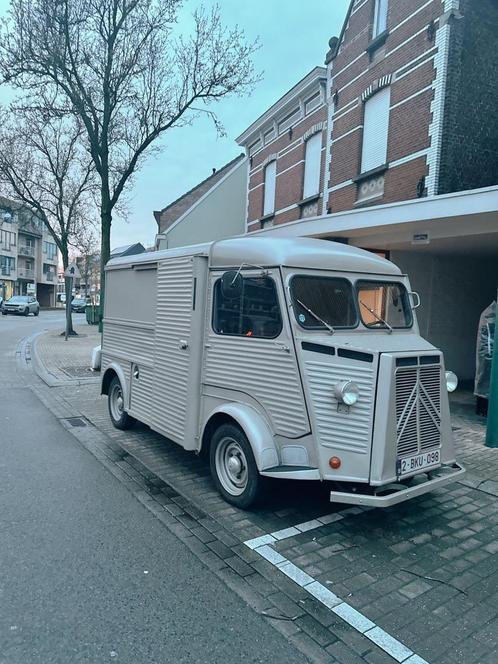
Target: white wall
[(454, 291), (220, 214)]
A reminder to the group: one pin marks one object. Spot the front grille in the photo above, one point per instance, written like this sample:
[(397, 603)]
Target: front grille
[(418, 407)]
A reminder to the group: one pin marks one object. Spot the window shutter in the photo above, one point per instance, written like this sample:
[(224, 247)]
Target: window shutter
[(312, 165), (375, 130), (270, 177)]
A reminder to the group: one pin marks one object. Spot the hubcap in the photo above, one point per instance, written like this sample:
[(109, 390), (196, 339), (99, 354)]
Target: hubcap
[(231, 466), (117, 403)]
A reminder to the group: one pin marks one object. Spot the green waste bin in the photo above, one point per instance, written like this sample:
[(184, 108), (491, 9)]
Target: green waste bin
[(92, 314)]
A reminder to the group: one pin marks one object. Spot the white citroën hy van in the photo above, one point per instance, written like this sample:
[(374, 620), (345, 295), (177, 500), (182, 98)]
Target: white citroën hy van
[(289, 358)]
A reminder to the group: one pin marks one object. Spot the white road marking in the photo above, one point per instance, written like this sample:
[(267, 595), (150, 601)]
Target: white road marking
[(263, 546)]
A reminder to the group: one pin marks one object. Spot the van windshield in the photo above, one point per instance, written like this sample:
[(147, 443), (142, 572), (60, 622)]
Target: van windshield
[(384, 304), (330, 299)]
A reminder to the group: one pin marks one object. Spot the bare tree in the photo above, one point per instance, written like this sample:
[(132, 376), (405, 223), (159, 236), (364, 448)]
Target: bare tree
[(46, 169), (119, 67)]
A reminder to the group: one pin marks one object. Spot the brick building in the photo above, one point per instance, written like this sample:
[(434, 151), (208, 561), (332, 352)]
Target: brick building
[(286, 151), (413, 91), (411, 161)]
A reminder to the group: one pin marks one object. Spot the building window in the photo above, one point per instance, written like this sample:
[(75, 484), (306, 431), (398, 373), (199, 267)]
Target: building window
[(289, 120), (7, 265), (254, 313), (270, 182), (50, 249), (312, 163), (375, 130), (380, 17), (7, 239), (312, 103)]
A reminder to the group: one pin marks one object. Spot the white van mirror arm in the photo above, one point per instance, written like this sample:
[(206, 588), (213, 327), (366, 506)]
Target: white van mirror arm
[(415, 299)]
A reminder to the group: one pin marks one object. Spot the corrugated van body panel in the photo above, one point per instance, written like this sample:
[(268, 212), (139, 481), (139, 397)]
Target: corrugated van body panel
[(261, 369), (142, 391), (129, 343), (171, 363), (341, 431)]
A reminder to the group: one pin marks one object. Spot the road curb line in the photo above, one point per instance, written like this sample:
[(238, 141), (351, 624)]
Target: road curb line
[(46, 376)]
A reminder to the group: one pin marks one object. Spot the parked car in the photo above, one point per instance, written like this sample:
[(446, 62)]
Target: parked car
[(78, 305), (1, 300), (22, 305)]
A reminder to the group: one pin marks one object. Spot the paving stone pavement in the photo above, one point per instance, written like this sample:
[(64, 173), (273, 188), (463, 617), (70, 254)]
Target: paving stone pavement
[(425, 571)]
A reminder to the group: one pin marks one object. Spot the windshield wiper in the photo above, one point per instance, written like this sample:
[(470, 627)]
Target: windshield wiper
[(316, 317), (381, 320)]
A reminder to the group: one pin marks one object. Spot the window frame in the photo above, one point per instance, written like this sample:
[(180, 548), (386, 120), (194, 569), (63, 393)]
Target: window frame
[(318, 325), (273, 164), (270, 278), (317, 137), (384, 90), (378, 16), (385, 283)]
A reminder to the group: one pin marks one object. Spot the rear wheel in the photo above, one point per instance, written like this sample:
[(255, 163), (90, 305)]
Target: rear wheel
[(119, 417), (233, 467)]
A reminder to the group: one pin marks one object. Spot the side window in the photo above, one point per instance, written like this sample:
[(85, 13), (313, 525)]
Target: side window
[(380, 17), (255, 313)]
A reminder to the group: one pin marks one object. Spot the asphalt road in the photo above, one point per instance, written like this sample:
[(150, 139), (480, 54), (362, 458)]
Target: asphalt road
[(87, 574)]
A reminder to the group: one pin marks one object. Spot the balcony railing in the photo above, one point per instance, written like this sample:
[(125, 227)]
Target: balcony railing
[(24, 273), (26, 251)]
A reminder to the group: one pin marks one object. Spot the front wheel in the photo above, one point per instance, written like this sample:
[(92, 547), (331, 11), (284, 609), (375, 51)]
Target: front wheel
[(4, 313), (233, 467), (26, 311), (119, 416), (37, 312)]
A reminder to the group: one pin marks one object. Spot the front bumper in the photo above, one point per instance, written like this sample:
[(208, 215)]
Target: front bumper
[(392, 494)]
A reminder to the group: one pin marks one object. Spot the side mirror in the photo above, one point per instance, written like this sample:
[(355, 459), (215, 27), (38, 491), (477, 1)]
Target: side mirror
[(415, 298), (231, 284)]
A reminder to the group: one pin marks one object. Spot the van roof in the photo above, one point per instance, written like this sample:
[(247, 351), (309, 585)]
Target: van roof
[(272, 251)]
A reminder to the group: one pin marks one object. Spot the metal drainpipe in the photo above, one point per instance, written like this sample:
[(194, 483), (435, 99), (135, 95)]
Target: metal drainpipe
[(492, 424)]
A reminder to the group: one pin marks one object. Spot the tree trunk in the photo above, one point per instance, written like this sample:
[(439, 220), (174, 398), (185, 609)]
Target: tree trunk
[(105, 251), (69, 317), (69, 294)]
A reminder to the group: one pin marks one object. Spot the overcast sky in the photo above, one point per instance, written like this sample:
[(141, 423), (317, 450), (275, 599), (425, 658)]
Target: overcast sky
[(294, 38)]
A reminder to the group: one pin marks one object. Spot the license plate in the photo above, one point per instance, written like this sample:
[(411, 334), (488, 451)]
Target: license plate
[(418, 462)]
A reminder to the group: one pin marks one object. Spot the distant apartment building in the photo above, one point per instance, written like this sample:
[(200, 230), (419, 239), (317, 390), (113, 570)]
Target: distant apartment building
[(286, 151), (28, 255)]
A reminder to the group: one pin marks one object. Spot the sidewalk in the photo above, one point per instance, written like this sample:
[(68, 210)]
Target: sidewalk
[(59, 362)]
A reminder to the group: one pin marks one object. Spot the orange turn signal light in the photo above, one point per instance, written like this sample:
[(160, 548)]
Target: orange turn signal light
[(334, 463)]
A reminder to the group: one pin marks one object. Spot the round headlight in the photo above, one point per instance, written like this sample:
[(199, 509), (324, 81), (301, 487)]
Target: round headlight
[(451, 381), (347, 392)]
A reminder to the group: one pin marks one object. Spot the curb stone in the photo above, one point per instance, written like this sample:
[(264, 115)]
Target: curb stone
[(47, 377)]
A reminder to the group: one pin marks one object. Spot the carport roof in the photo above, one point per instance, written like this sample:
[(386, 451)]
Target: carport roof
[(465, 217)]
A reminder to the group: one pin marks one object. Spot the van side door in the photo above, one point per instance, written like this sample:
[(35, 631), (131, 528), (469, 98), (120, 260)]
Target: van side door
[(250, 350)]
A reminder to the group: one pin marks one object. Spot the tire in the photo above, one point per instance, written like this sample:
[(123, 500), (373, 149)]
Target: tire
[(37, 312), (238, 481), (26, 311), (4, 313), (119, 417)]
